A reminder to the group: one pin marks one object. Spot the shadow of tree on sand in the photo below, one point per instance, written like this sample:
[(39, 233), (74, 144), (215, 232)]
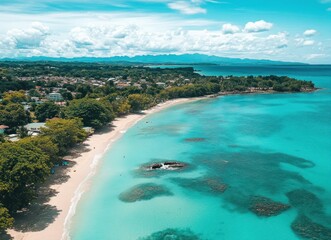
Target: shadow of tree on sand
[(40, 213), (36, 218), (5, 236)]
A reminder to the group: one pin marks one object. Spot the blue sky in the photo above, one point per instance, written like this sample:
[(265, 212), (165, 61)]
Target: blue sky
[(289, 30)]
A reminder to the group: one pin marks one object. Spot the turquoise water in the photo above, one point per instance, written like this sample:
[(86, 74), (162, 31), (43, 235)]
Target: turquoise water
[(256, 145)]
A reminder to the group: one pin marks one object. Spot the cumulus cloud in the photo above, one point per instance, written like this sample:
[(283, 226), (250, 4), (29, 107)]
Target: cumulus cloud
[(304, 42), (310, 32), (187, 7), (308, 43), (230, 28), (114, 40), (27, 38), (258, 26)]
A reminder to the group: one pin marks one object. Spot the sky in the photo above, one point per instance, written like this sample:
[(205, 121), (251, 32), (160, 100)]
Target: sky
[(286, 30)]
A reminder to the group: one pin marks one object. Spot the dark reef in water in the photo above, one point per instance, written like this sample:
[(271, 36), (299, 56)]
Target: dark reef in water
[(144, 191), (305, 201), (263, 206), (253, 171), (173, 234), (211, 185), (194, 139), (307, 229)]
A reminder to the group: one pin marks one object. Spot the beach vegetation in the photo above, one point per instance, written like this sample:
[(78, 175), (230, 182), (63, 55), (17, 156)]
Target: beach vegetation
[(65, 133), (47, 110), (140, 102), (22, 168), (6, 221), (93, 113)]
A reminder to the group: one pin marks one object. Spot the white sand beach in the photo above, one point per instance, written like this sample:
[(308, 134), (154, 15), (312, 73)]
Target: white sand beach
[(54, 224)]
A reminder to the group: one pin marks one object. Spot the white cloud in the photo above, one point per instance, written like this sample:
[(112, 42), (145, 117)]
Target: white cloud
[(28, 38), (308, 43), (105, 40), (229, 28), (304, 42), (329, 9), (187, 7), (105, 35), (258, 26), (314, 56), (310, 32)]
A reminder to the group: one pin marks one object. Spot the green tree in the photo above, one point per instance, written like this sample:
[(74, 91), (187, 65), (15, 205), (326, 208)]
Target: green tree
[(121, 106), (14, 97), (13, 115), (94, 113), (65, 133), (21, 170), (67, 96), (22, 132), (139, 102), (46, 144), (47, 110), (6, 221)]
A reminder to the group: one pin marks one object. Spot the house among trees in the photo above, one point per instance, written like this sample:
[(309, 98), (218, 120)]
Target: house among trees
[(3, 129), (34, 128), (56, 97)]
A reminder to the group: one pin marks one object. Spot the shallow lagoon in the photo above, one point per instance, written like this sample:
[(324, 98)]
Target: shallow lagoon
[(255, 145)]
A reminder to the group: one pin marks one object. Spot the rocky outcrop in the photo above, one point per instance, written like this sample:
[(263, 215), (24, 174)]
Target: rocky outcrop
[(169, 165)]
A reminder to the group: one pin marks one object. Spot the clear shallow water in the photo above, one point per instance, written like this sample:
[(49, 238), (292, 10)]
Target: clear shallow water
[(258, 145)]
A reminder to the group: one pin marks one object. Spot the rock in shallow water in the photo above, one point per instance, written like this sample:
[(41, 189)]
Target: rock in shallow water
[(173, 234), (166, 166), (307, 229), (156, 169), (263, 206), (145, 191)]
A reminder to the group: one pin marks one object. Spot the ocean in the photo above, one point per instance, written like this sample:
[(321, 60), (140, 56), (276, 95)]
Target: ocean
[(256, 167)]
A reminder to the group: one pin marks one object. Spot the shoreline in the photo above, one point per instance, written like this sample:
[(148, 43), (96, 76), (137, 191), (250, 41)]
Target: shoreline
[(84, 165), (67, 194)]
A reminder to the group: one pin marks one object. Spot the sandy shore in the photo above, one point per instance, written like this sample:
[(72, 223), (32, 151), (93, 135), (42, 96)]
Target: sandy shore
[(53, 221)]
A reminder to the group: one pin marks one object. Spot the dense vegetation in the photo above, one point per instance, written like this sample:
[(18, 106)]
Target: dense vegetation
[(92, 97)]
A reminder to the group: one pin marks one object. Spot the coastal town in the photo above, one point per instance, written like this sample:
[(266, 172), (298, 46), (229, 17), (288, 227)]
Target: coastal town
[(49, 111)]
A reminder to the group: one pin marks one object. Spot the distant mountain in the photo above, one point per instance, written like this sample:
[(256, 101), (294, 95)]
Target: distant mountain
[(161, 59)]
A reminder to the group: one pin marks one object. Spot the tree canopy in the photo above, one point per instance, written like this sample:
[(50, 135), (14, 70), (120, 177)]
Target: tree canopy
[(65, 133), (93, 113), (13, 115), (21, 169), (47, 110)]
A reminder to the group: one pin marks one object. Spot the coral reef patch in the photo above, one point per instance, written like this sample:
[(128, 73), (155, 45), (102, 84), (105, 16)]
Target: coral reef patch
[(172, 234), (144, 191), (307, 229), (263, 206)]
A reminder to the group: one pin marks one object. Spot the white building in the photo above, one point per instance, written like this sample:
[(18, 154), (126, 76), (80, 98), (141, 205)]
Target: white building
[(55, 97)]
